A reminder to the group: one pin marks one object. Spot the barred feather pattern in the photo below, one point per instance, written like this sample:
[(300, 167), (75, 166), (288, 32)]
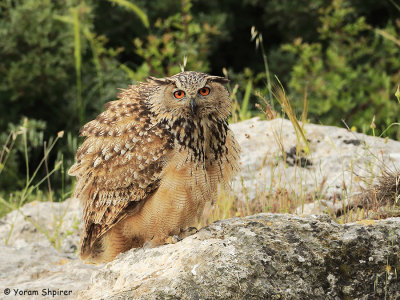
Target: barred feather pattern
[(127, 168)]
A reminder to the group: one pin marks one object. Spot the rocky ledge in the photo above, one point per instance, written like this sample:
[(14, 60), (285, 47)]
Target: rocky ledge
[(266, 256), (339, 165)]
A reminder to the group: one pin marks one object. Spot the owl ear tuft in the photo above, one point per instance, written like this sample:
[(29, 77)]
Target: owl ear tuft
[(218, 79), (159, 80)]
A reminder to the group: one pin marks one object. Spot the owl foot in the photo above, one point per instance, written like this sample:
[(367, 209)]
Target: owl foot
[(147, 245), (172, 239), (175, 239), (184, 233), (188, 232)]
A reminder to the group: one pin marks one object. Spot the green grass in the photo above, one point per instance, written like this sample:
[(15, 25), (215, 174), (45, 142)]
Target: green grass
[(34, 189)]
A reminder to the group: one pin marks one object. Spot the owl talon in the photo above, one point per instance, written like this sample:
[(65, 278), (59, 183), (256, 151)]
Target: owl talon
[(187, 232), (147, 245), (192, 230), (175, 239)]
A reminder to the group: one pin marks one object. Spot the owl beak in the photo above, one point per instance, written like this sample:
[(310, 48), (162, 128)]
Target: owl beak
[(193, 105)]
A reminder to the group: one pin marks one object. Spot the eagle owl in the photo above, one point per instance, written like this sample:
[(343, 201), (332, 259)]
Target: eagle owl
[(151, 161)]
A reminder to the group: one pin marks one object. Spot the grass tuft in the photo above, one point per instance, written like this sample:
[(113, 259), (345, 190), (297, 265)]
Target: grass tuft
[(33, 188)]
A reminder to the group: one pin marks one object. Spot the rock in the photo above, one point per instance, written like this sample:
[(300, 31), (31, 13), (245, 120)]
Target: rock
[(30, 262), (339, 162), (266, 256), (34, 268), (318, 207), (40, 222)]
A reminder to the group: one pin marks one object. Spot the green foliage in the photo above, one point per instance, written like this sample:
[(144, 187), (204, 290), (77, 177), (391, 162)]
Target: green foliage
[(15, 147), (242, 94), (134, 8), (54, 69), (53, 64), (350, 73), (299, 16), (179, 41), (31, 191), (80, 22), (23, 138), (35, 59), (243, 91)]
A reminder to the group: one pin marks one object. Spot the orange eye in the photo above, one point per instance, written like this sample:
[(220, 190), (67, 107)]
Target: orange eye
[(179, 94), (204, 91)]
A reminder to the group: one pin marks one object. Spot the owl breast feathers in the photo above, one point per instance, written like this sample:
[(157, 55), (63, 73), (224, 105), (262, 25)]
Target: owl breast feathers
[(151, 161)]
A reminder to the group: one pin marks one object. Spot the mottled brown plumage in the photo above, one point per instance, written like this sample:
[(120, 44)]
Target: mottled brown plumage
[(151, 161)]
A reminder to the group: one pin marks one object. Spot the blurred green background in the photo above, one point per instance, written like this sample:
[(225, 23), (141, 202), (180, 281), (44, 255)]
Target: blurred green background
[(60, 61)]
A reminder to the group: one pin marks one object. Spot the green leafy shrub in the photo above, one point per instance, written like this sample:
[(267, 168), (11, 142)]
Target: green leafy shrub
[(179, 40), (35, 60), (350, 73), (54, 69)]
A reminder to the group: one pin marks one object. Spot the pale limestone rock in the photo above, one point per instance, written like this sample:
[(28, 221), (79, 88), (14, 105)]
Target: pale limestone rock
[(338, 162), (266, 256), (34, 268), (35, 220)]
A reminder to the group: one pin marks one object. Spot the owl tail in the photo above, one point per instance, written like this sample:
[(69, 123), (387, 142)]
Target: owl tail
[(104, 247), (91, 248)]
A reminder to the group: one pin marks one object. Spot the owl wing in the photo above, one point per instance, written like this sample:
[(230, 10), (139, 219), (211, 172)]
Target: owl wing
[(118, 165)]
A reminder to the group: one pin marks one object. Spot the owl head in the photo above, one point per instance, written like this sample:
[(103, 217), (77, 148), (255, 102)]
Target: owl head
[(190, 95)]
